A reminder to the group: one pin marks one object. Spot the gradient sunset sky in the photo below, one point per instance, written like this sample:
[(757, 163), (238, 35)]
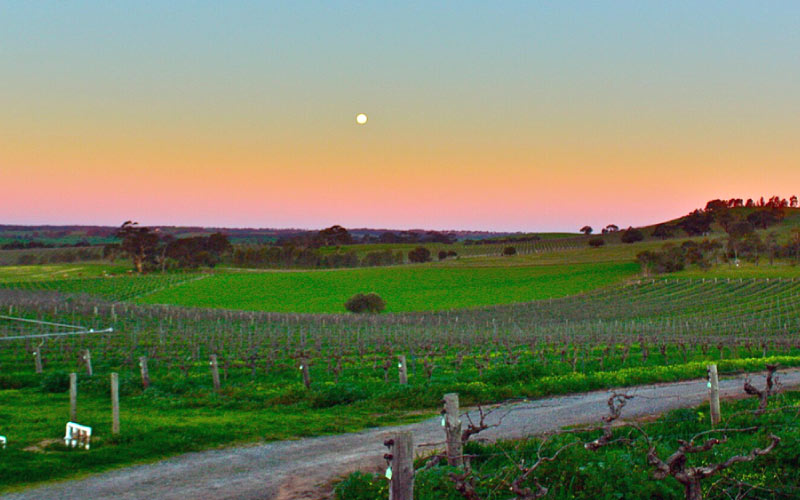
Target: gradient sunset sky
[(529, 115)]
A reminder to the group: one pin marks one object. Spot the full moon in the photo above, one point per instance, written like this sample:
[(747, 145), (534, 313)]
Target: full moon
[(361, 118)]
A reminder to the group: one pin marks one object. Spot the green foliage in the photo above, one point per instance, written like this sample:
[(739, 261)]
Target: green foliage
[(361, 303), (362, 486), (55, 382)]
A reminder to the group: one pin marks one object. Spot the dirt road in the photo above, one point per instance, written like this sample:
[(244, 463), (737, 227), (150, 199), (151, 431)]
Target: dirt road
[(300, 469)]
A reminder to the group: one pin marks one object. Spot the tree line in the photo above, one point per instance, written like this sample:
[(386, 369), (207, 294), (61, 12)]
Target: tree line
[(150, 250)]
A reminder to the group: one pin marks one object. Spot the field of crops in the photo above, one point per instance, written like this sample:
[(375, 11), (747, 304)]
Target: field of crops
[(407, 288), (112, 288), (639, 332)]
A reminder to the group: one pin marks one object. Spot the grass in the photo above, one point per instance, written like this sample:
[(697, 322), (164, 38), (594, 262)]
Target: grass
[(152, 427), (620, 469), (405, 288), (179, 414), (49, 272)]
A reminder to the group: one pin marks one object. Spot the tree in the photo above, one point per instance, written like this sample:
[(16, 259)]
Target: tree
[(139, 243), (663, 231), (611, 228), (333, 236), (632, 235), (793, 201), (765, 218), (596, 242), (419, 255), (587, 230), (697, 223), (508, 251), (442, 255)]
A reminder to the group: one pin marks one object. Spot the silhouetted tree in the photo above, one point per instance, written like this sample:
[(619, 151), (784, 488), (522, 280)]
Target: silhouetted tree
[(139, 243), (587, 230)]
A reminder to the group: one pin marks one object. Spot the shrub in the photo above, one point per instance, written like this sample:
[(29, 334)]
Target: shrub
[(55, 382), (419, 254), (597, 242), (442, 255), (509, 251), (632, 235), (359, 303)]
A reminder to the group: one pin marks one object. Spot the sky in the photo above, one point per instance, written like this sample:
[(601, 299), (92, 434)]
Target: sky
[(507, 116)]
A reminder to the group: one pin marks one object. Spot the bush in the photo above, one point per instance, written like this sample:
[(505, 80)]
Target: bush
[(509, 251), (442, 255), (359, 303), (419, 254), (632, 235), (597, 242), (55, 382)]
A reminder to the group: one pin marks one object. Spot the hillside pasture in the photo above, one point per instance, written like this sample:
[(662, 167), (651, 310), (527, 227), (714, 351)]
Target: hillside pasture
[(404, 288)]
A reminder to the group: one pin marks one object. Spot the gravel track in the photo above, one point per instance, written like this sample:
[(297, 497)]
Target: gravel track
[(301, 469)]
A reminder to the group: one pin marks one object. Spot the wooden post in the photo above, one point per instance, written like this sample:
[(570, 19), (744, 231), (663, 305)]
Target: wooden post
[(215, 372), (402, 485), (403, 369), (114, 403), (87, 358), (145, 373), (452, 429), (37, 359), (713, 393), (73, 397), (306, 373)]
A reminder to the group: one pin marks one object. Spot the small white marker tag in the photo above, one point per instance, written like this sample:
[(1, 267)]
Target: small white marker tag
[(389, 473), (709, 384), (301, 367), (399, 365), (443, 422)]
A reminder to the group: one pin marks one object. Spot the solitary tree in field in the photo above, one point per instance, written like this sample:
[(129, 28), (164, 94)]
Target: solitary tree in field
[(139, 243), (587, 230)]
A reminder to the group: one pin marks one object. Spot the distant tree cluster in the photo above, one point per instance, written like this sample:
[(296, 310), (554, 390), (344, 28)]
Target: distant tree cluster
[(508, 239), (290, 256), (33, 244), (149, 250), (338, 235), (672, 258)]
